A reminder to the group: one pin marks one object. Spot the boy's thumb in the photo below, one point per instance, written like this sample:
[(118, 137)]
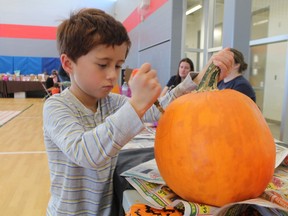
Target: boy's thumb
[(144, 68)]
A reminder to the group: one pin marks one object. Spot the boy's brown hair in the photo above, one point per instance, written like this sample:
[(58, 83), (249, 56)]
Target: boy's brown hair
[(88, 28)]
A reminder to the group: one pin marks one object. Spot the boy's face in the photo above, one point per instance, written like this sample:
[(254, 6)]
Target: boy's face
[(95, 74)]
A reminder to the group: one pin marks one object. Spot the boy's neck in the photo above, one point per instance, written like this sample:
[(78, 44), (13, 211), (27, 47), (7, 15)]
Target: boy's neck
[(88, 101)]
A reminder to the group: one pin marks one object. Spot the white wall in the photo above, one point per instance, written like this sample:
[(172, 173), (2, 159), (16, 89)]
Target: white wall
[(40, 13), (124, 8), (48, 12), (274, 80)]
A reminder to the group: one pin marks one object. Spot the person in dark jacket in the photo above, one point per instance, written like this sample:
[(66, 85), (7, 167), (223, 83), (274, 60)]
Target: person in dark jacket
[(185, 66), (235, 80)]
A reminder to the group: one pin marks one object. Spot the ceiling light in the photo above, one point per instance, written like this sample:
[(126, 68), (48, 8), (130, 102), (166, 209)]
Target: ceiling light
[(193, 9), (260, 22)]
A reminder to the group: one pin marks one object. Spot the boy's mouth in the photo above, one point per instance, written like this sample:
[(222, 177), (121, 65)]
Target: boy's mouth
[(108, 87)]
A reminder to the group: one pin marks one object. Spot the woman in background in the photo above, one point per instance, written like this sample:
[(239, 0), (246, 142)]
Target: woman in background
[(185, 66), (235, 80), (54, 76)]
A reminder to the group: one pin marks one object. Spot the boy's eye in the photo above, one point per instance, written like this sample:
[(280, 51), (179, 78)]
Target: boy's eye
[(102, 65)]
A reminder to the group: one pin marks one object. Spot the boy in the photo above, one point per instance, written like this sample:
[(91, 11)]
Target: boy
[(85, 127)]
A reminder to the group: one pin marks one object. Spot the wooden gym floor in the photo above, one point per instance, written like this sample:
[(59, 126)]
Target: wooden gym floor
[(24, 173)]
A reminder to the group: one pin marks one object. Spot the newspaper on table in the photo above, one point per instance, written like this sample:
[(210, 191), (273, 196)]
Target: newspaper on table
[(145, 139), (281, 153), (146, 179)]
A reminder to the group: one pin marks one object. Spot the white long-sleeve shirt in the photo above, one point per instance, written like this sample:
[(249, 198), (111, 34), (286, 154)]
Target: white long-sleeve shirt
[(83, 146)]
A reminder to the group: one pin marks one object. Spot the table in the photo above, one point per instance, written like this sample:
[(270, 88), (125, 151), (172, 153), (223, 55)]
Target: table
[(2, 88), (8, 87), (126, 160)]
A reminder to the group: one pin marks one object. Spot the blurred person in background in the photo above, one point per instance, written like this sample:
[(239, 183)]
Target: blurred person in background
[(235, 80), (185, 66)]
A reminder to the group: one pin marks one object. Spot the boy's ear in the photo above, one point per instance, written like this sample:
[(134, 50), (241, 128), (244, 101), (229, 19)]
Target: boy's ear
[(66, 63)]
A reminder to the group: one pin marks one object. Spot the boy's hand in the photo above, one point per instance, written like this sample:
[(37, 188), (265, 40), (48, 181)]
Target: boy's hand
[(224, 59), (145, 89)]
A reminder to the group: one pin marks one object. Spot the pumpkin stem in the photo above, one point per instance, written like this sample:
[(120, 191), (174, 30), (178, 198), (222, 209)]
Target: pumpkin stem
[(210, 79)]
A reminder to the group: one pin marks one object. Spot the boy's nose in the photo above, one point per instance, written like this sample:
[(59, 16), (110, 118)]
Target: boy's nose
[(112, 74)]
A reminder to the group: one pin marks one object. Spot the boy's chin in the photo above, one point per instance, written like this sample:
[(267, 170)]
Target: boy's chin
[(100, 96)]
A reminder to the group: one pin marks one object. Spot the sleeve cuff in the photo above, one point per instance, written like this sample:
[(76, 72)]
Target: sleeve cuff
[(186, 86)]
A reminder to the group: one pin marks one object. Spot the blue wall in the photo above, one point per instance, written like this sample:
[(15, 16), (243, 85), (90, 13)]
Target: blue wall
[(28, 65)]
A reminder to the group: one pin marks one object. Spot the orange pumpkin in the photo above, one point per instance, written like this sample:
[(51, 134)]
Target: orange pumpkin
[(116, 89), (134, 72), (214, 147)]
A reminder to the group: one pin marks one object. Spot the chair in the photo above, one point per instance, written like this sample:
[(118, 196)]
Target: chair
[(48, 94), (64, 79)]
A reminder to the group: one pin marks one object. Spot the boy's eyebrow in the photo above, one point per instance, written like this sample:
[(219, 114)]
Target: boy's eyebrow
[(109, 59)]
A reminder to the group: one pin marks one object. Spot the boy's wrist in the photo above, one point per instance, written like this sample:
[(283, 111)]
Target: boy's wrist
[(138, 107)]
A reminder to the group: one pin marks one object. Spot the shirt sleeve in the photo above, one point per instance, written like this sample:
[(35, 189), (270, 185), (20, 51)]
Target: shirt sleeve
[(89, 148)]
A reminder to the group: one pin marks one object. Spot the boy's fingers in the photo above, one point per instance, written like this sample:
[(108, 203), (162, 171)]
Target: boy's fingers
[(144, 68)]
